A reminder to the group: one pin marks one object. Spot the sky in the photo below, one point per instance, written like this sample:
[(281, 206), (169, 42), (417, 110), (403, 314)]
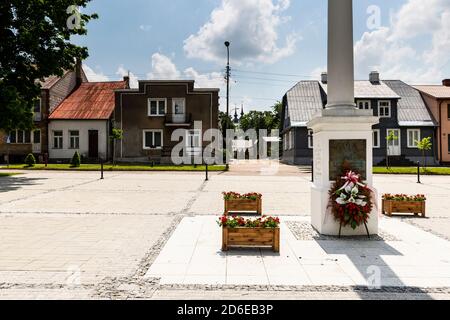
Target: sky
[(274, 43)]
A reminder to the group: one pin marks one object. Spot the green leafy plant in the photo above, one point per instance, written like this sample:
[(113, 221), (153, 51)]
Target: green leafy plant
[(404, 197), (424, 145), (240, 222), (30, 160), (76, 160), (237, 196), (116, 135)]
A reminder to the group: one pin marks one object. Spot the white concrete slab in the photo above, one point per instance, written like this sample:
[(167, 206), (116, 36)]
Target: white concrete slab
[(193, 256)]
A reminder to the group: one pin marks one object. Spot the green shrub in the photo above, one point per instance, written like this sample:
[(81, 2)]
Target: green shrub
[(76, 160), (30, 160)]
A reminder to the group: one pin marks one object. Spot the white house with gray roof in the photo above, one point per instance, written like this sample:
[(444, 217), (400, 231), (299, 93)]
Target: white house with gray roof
[(400, 107)]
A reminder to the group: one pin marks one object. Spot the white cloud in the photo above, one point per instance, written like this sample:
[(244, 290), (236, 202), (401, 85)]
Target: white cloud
[(163, 68), (145, 27), (252, 28), (392, 51), (94, 76), (121, 71)]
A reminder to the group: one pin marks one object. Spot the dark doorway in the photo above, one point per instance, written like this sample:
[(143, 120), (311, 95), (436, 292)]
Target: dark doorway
[(93, 144)]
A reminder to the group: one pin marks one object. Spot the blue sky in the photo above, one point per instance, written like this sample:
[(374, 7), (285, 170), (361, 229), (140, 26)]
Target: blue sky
[(274, 43)]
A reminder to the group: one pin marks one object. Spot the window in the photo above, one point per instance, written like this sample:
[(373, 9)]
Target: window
[(57, 139), (20, 137), (448, 145), (376, 138), (157, 107), (448, 111), (286, 113), (291, 139), (193, 138), (74, 137), (364, 105), (37, 106), (153, 139), (413, 137), (37, 136), (285, 142), (384, 109), (310, 139)]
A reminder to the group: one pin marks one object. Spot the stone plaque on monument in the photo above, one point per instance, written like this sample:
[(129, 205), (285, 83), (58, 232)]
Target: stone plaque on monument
[(352, 152)]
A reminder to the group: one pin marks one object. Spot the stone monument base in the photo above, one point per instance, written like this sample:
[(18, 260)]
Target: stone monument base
[(341, 135)]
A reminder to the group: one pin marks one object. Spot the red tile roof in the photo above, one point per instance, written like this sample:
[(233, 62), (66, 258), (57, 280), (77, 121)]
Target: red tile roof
[(91, 101)]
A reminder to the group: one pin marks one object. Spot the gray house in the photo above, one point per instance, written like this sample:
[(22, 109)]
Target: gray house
[(400, 107)]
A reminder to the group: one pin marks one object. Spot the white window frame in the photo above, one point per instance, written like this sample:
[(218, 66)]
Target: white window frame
[(377, 142), (153, 137), (310, 139), (74, 138), (413, 144), (364, 102), (389, 108), (60, 144), (291, 140), (157, 100), (285, 143)]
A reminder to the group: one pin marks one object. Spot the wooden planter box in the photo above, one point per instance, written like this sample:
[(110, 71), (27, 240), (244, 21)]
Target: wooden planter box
[(251, 237), (416, 207), (243, 205)]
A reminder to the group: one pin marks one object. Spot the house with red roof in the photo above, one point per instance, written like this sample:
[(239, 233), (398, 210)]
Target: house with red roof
[(82, 122), (17, 144)]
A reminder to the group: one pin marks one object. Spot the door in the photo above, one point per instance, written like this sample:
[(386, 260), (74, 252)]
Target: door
[(193, 142), (93, 144), (395, 144), (179, 110)]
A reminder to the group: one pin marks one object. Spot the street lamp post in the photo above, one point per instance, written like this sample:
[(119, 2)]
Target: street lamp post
[(227, 44)]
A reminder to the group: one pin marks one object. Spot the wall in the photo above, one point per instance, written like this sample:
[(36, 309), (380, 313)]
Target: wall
[(133, 117), (83, 126)]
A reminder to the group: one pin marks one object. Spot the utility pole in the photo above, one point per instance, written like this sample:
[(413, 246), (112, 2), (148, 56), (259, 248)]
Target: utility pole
[(227, 44)]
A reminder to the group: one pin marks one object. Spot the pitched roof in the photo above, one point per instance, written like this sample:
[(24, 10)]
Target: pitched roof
[(412, 109), (437, 91), (304, 101), (307, 98), (370, 90), (91, 101)]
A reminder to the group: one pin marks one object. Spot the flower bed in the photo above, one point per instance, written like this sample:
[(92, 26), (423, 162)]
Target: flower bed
[(402, 203), (236, 202), (240, 232)]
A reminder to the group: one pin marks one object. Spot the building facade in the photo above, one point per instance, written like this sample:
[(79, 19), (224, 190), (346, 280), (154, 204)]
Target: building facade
[(438, 100), (82, 123), (53, 91), (402, 111), (150, 114)]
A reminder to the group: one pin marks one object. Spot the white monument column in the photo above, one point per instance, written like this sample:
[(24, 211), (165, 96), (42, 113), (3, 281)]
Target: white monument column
[(342, 132)]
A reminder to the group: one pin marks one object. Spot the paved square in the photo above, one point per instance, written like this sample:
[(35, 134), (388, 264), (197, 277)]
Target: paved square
[(70, 235)]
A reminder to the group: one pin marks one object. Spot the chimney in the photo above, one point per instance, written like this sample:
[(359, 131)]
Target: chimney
[(374, 77), (78, 71), (127, 81), (446, 82), (324, 77)]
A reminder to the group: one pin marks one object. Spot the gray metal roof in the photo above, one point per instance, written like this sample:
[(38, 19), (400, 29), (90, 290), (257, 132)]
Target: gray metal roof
[(369, 90), (411, 107), (304, 101)]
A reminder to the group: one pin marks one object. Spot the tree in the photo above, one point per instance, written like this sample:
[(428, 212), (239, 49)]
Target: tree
[(76, 160), (30, 160), (258, 120), (35, 44), (225, 122), (116, 134), (424, 145), (390, 137)]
